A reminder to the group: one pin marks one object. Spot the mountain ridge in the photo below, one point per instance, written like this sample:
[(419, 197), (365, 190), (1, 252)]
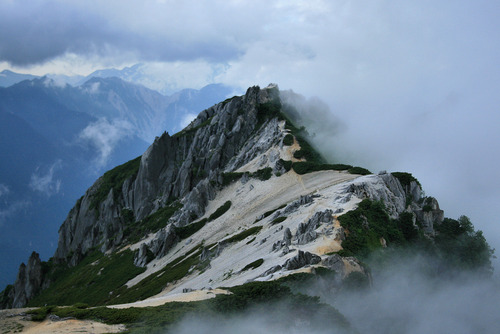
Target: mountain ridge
[(238, 196)]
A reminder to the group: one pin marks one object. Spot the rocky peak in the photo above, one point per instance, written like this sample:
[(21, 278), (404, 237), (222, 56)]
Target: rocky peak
[(28, 282), (184, 166)]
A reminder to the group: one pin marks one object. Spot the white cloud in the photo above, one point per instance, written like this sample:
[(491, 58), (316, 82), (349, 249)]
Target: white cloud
[(11, 210), (104, 135), (186, 119), (44, 181), (54, 82), (4, 190)]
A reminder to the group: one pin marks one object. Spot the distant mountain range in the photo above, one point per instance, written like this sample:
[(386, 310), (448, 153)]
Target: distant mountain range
[(56, 139)]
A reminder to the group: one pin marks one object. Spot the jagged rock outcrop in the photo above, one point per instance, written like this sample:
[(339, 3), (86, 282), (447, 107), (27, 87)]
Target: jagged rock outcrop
[(141, 258), (300, 260), (163, 242), (429, 214), (184, 165), (306, 231), (28, 283), (343, 266), (384, 188)]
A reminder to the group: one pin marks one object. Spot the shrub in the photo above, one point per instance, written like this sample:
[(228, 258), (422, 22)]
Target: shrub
[(287, 164), (253, 265), (278, 220), (267, 110), (366, 225), (359, 170), (263, 174), (405, 178), (288, 140), (244, 234), (461, 247), (220, 211), (228, 178), (304, 167), (188, 230)]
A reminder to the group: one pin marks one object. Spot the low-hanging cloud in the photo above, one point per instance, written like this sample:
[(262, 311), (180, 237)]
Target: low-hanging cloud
[(403, 299), (104, 135), (43, 180)]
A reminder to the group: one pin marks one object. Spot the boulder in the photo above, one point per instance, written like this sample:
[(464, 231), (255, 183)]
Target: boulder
[(300, 260)]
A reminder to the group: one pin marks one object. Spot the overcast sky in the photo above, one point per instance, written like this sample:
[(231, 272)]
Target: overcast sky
[(415, 83)]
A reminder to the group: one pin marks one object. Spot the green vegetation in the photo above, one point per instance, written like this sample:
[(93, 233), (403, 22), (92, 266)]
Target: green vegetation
[(226, 101), (366, 225), (405, 178), (41, 313), (254, 295), (155, 283), (135, 230), (461, 247), (192, 131), (261, 174), (304, 167), (89, 282), (288, 139), (220, 211), (306, 150), (278, 220), (5, 302), (253, 265), (359, 170), (230, 177), (113, 179), (188, 230), (270, 212), (456, 246), (287, 164), (267, 111), (243, 235)]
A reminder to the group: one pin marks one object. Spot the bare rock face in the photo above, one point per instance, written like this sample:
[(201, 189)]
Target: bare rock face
[(29, 281), (306, 231), (165, 239), (300, 260), (185, 165), (429, 215), (384, 188)]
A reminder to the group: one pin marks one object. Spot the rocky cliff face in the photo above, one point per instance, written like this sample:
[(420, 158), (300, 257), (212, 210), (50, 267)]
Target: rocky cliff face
[(28, 283), (172, 167)]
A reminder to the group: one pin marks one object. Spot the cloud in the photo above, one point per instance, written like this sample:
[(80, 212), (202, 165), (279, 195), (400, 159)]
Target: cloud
[(44, 181), (405, 300), (186, 119), (11, 209), (104, 135), (58, 82), (40, 31), (4, 190), (406, 296)]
